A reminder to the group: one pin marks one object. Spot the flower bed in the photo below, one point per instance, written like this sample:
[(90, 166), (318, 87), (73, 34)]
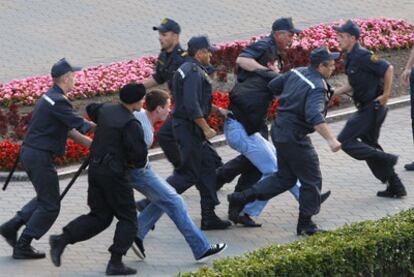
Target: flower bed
[(376, 34)]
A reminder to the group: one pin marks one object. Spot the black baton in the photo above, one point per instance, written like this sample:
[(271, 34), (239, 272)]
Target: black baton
[(11, 171), (81, 168)]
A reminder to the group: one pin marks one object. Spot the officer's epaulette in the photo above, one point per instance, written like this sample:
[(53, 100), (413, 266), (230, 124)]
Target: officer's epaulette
[(184, 53)]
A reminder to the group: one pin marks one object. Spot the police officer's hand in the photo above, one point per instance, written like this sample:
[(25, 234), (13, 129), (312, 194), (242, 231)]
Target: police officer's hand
[(209, 133), (274, 66), (382, 99), (335, 145), (405, 76)]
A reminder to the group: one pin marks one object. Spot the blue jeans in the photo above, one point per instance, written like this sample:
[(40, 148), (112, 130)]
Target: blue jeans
[(164, 198), (261, 154)]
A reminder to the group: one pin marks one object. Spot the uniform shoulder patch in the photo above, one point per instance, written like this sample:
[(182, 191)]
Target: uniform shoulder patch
[(374, 58), (184, 53)]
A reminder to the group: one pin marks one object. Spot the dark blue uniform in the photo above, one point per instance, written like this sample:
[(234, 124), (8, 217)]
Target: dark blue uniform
[(263, 51), (167, 65), (52, 118), (117, 147), (360, 135), (302, 106), (192, 96)]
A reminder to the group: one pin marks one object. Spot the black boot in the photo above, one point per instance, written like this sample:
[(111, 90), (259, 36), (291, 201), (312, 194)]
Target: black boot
[(116, 267), (307, 227), (395, 188), (210, 221), (10, 229), (237, 201), (57, 246), (409, 167), (23, 250), (245, 220)]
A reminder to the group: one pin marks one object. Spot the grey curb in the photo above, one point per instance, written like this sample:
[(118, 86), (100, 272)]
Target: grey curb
[(156, 154)]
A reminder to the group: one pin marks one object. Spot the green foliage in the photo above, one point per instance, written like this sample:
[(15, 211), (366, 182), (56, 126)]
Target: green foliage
[(371, 248)]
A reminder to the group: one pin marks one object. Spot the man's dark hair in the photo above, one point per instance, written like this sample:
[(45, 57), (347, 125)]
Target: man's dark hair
[(155, 98)]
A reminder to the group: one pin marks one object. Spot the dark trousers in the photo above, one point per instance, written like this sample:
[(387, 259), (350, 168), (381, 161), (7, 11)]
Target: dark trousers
[(295, 161), (199, 161), (359, 139), (40, 213), (412, 99), (168, 143), (108, 196), (240, 165)]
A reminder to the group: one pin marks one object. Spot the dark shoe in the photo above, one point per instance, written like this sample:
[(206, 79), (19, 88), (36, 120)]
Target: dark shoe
[(325, 196), (142, 204), (213, 222), (57, 246), (246, 221), (215, 249), (306, 227), (237, 201), (9, 230), (395, 189), (138, 248), (27, 252), (409, 167), (119, 269)]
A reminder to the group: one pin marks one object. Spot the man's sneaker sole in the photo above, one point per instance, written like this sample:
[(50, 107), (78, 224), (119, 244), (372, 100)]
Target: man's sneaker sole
[(202, 260), (138, 252)]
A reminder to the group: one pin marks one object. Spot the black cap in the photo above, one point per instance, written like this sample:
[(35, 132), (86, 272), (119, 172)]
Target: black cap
[(350, 28), (322, 54), (63, 67), (284, 24), (168, 25), (200, 42), (132, 93)]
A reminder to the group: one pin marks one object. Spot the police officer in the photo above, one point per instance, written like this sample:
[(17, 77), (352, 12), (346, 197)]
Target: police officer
[(172, 56), (370, 79), (408, 75), (302, 107), (192, 94), (118, 145), (261, 55), (52, 121), (253, 61)]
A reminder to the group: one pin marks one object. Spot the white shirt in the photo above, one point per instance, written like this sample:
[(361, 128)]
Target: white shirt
[(146, 126)]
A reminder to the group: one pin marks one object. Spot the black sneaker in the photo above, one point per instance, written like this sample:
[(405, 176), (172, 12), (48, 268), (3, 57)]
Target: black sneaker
[(215, 249), (119, 269), (138, 248), (409, 167)]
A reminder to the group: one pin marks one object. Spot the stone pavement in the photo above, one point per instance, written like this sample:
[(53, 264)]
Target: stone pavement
[(353, 199), (35, 34)]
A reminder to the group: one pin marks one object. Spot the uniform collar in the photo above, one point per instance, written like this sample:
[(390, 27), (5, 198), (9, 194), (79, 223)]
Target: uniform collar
[(58, 89), (314, 71), (193, 60), (354, 50)]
